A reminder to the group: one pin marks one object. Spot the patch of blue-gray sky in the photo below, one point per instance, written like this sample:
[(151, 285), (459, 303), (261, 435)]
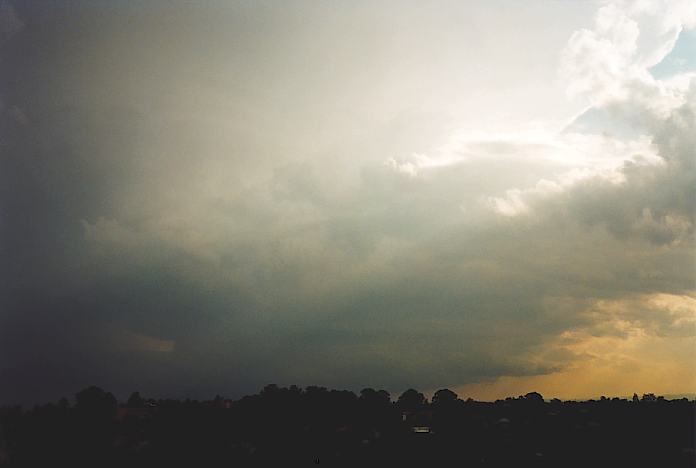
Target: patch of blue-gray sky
[(681, 59)]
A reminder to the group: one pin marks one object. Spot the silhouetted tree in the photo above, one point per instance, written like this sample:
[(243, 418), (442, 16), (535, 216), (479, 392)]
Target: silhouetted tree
[(135, 400), (270, 390), (95, 402), (374, 397), (411, 400), (444, 396), (293, 427), (534, 396)]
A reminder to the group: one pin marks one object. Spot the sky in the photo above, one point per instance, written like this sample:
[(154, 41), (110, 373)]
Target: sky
[(202, 198)]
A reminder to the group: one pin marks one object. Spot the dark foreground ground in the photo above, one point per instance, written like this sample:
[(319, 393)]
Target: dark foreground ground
[(320, 427)]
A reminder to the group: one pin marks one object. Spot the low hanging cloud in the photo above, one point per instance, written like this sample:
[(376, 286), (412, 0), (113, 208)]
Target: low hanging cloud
[(173, 213)]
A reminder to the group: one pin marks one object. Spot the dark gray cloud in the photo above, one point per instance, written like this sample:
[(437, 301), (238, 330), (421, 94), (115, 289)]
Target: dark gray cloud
[(181, 215)]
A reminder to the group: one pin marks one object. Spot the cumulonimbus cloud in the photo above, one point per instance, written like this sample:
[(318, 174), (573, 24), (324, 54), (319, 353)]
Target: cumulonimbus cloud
[(204, 229)]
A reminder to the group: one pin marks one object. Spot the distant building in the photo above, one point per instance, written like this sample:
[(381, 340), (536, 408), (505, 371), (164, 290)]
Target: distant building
[(421, 429), (419, 422)]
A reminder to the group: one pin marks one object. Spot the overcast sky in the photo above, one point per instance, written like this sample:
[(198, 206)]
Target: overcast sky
[(205, 197)]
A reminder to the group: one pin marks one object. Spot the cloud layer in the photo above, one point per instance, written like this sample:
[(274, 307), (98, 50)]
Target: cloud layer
[(190, 210)]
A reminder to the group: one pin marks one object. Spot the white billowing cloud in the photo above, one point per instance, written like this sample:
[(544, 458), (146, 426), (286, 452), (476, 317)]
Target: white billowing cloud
[(628, 38), (596, 59)]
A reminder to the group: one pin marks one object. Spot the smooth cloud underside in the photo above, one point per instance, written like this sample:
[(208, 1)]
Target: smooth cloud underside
[(179, 223)]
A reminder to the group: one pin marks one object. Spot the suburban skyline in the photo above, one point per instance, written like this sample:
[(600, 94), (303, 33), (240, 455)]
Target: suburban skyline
[(495, 197)]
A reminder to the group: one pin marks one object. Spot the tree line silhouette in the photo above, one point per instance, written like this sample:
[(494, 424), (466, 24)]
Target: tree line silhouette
[(315, 426)]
